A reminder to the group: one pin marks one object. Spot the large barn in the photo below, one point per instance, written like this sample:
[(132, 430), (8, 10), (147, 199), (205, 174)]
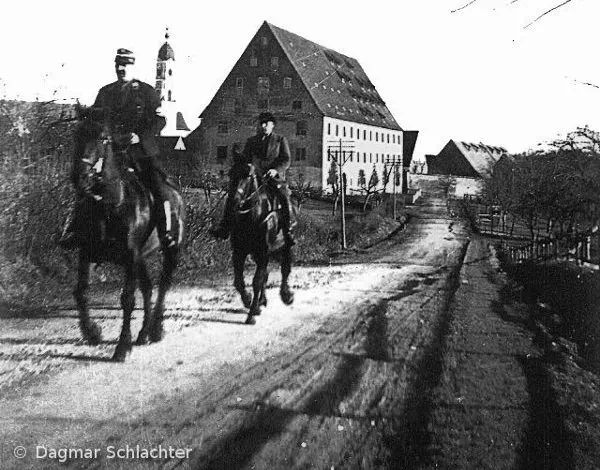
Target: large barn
[(318, 96)]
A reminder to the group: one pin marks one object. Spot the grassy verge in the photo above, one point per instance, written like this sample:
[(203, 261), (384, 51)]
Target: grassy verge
[(570, 300), (40, 273)]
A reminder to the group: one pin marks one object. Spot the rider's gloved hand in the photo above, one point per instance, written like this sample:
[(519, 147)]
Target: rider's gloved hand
[(135, 139), (272, 173)]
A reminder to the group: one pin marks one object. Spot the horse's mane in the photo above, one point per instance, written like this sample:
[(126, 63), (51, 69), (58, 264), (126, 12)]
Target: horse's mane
[(86, 131)]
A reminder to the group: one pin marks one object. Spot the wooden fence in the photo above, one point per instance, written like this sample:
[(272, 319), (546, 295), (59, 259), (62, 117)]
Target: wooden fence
[(583, 248), (580, 247)]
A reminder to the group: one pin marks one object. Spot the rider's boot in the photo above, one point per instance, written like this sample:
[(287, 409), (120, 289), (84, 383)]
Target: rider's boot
[(288, 221)]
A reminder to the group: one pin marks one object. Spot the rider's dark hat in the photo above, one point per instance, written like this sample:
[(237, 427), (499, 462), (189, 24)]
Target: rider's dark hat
[(124, 57), (266, 117)]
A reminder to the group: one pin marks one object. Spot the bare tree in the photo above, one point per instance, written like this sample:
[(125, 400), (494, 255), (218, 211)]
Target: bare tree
[(528, 25), (333, 180), (370, 188), (301, 189)]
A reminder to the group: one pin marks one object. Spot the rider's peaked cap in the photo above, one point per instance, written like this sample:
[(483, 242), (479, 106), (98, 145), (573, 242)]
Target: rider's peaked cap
[(124, 57), (266, 117)]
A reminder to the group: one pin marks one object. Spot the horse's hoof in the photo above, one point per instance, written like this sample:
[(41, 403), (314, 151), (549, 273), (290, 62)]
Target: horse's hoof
[(121, 353), (287, 297), (92, 334), (263, 301), (250, 320)]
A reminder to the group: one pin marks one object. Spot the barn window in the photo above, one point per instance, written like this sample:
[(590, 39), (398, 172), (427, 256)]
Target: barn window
[(239, 82), (328, 128), (222, 128), (274, 62), (301, 128), (264, 41), (253, 61), (263, 84), (301, 154), (287, 82)]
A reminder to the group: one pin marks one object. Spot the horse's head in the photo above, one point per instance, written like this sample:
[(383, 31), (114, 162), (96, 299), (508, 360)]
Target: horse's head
[(245, 174), (94, 150)]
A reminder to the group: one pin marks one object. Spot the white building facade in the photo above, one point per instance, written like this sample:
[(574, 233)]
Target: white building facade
[(367, 148)]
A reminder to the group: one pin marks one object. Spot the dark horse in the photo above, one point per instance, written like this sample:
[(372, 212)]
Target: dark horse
[(256, 231), (118, 225)]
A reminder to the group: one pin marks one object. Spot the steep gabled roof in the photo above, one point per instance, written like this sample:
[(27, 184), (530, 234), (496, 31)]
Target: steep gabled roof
[(408, 146), (180, 123), (338, 84), (480, 156)]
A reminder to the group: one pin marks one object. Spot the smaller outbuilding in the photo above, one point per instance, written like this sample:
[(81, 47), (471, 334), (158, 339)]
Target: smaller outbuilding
[(465, 159)]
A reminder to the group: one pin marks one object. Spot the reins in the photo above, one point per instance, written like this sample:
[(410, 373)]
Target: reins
[(252, 194)]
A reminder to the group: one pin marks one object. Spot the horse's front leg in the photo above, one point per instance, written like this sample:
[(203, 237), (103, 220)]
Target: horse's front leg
[(146, 288), (286, 294), (166, 279), (239, 260), (128, 304), (90, 331), (258, 284), (263, 294)]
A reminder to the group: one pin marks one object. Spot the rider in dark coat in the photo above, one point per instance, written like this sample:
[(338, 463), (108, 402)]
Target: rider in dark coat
[(270, 154), (131, 109)]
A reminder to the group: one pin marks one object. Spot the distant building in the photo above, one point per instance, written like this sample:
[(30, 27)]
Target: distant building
[(318, 96), (177, 159), (465, 159)]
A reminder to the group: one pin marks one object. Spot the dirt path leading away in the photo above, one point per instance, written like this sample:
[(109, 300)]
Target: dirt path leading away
[(333, 381), (490, 404)]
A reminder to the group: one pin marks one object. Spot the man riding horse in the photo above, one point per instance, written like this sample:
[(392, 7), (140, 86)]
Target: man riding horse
[(270, 154), (130, 110)]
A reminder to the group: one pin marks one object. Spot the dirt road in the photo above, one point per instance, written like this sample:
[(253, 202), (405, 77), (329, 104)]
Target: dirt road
[(337, 380)]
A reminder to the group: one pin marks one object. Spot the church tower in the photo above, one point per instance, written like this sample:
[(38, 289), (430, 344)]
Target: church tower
[(165, 64), (165, 76)]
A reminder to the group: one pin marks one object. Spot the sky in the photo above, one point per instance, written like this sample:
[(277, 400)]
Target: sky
[(476, 74)]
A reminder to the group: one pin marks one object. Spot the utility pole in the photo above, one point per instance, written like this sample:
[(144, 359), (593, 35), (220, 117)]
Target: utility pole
[(340, 151), (396, 163)]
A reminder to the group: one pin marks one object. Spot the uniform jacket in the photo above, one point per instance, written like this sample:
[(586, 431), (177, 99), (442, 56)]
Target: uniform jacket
[(277, 155), (131, 107)]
